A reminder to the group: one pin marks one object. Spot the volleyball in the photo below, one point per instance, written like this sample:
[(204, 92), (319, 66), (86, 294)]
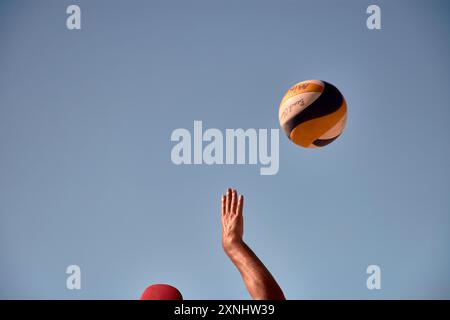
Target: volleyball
[(313, 113)]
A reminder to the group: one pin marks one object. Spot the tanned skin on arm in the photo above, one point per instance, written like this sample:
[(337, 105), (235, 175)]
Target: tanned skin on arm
[(259, 282)]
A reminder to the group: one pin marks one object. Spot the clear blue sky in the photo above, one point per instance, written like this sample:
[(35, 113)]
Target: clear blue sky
[(85, 170)]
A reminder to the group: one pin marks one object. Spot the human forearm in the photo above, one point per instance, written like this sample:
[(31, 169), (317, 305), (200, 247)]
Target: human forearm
[(259, 282)]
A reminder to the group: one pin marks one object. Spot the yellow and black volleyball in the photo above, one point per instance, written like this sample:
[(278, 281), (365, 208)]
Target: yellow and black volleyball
[(313, 113)]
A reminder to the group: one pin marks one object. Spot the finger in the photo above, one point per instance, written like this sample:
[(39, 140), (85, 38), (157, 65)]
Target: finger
[(240, 205), (228, 201), (233, 201), (223, 205)]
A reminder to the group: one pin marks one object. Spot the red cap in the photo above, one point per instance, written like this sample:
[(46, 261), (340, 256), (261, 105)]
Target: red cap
[(161, 292)]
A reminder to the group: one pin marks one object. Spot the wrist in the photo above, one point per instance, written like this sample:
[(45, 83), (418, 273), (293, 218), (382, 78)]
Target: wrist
[(232, 245)]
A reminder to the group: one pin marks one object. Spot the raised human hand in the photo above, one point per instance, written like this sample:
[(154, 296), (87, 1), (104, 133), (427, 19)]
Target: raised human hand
[(232, 219)]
